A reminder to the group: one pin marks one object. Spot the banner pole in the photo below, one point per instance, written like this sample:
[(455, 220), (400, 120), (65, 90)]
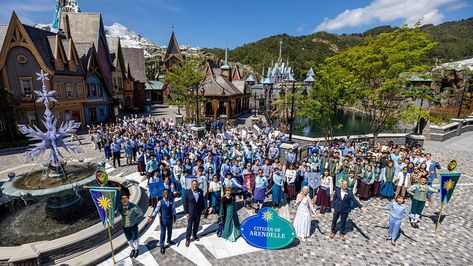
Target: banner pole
[(440, 216), (111, 244)]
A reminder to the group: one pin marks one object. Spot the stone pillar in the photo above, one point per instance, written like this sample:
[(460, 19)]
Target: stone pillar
[(199, 131), (285, 147), (179, 119)]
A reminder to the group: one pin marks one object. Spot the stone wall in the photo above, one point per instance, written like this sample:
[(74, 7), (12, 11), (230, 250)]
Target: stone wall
[(455, 128)]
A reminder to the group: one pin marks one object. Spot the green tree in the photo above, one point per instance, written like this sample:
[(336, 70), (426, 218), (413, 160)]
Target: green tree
[(183, 78), (331, 93), (377, 69)]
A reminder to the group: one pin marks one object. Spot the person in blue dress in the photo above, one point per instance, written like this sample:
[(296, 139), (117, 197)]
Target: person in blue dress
[(387, 185), (398, 211), (278, 182)]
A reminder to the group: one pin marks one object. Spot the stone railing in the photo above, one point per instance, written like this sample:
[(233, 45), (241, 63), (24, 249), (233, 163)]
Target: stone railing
[(455, 128), (303, 143)]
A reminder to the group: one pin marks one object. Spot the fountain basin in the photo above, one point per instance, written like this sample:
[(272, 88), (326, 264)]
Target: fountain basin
[(37, 187)]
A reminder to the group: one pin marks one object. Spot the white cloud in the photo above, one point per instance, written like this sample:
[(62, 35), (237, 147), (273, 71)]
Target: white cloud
[(457, 5), (301, 27), (25, 9), (387, 11)]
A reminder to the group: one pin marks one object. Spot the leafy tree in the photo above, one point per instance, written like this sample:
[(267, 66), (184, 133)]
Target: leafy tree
[(377, 69), (183, 77), (331, 93)]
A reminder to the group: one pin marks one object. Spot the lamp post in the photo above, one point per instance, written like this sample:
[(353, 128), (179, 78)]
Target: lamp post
[(196, 89), (291, 121)]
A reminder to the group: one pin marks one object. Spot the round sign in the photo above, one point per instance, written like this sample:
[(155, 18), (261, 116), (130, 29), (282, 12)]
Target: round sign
[(101, 177), (267, 230), (452, 165)]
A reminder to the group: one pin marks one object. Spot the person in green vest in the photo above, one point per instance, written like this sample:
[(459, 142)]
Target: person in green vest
[(229, 224), (351, 179), (345, 167), (419, 196), (324, 162), (377, 170), (131, 215), (387, 185), (365, 183)]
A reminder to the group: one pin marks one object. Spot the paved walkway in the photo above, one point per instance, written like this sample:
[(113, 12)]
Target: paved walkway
[(365, 243)]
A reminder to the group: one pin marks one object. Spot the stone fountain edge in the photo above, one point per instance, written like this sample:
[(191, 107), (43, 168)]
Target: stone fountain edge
[(45, 252)]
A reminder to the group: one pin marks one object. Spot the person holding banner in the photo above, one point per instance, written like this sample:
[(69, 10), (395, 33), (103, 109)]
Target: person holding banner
[(131, 214), (419, 197), (167, 216)]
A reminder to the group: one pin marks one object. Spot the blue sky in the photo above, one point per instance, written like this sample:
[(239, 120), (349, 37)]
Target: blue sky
[(208, 23)]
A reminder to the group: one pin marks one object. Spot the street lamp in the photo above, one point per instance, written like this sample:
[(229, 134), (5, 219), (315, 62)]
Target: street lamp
[(250, 81), (196, 89), (291, 121), (268, 88)]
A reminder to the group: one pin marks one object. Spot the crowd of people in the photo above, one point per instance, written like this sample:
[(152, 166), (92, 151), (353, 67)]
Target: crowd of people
[(209, 174)]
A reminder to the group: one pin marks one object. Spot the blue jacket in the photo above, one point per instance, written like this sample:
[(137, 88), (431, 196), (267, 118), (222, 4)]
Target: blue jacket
[(344, 205)]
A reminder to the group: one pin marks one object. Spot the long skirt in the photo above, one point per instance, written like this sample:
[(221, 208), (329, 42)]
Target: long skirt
[(141, 167), (277, 194), (259, 194), (363, 190), (291, 190), (214, 200), (376, 188), (107, 151), (387, 189), (323, 197)]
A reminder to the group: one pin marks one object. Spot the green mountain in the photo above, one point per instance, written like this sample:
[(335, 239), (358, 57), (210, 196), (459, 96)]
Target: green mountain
[(455, 42)]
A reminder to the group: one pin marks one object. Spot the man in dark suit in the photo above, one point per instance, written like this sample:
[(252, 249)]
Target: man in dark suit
[(194, 206), (341, 205)]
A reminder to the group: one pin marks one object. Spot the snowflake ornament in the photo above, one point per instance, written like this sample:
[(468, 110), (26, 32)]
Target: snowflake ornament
[(53, 138)]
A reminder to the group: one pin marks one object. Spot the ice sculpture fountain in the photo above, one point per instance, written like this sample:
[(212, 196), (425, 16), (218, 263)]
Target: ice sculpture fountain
[(57, 180)]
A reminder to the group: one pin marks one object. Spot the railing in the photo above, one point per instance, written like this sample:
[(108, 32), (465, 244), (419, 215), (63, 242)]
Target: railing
[(449, 111)]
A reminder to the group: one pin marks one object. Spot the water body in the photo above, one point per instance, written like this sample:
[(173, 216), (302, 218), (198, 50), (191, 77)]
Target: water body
[(352, 123)]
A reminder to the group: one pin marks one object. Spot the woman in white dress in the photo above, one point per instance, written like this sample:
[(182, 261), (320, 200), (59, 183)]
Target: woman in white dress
[(305, 210)]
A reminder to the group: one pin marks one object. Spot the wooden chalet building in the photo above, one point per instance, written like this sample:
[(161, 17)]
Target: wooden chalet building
[(26, 50)]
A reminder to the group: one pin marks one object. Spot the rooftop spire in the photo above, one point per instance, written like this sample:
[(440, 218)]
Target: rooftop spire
[(280, 52), (225, 66)]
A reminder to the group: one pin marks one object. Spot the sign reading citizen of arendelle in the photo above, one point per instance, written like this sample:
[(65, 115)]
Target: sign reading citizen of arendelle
[(267, 230)]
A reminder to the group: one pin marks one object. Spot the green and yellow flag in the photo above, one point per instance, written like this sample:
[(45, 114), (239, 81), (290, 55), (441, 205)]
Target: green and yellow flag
[(447, 186), (104, 200)]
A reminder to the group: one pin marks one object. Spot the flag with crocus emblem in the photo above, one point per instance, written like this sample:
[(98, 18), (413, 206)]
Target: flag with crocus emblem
[(104, 200)]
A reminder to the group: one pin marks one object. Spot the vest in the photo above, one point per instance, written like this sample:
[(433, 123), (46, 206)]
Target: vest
[(166, 211)]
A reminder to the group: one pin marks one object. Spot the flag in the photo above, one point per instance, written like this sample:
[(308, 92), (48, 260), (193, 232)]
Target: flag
[(447, 185), (104, 200), (339, 178), (156, 189)]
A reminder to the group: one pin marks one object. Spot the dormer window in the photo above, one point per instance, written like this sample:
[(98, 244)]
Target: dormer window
[(26, 85)]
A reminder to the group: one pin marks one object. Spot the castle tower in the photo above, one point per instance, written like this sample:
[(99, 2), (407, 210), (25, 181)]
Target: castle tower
[(69, 6)]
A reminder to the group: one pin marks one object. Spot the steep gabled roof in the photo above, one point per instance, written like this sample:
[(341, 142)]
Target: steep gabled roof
[(135, 58), (83, 27), (3, 33), (113, 47), (173, 49)]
